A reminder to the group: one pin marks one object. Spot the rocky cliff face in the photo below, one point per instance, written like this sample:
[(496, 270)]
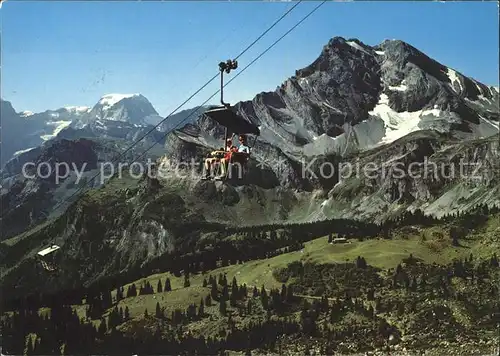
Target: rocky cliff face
[(35, 185), (352, 100), (418, 172)]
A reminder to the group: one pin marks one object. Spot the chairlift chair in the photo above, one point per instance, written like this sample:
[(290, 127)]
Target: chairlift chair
[(46, 257), (226, 116)]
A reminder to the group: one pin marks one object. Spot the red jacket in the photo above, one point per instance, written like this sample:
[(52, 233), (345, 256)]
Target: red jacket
[(228, 154)]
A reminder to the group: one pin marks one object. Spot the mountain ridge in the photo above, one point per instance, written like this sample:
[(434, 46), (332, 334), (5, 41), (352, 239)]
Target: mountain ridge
[(337, 55)]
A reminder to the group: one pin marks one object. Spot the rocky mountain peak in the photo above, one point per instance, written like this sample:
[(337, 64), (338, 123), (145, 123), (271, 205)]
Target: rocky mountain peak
[(6, 108), (132, 108), (355, 97)]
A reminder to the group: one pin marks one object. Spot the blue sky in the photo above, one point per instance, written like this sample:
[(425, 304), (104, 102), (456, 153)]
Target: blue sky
[(57, 54)]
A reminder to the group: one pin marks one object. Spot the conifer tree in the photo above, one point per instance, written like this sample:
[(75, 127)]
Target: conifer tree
[(119, 294), (101, 331), (201, 309), (158, 312), (283, 292), (264, 298), (168, 287), (214, 292), (234, 289), (225, 292), (255, 291), (222, 306), (242, 293), (233, 299), (414, 285), (289, 294)]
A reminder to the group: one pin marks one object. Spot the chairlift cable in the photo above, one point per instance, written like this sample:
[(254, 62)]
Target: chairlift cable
[(255, 41), (239, 55), (240, 72), (262, 35), (260, 55), (180, 106)]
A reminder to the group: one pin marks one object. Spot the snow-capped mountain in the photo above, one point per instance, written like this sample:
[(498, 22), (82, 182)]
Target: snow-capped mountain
[(26, 130), (355, 97), (114, 116), (133, 109), (58, 120), (117, 116)]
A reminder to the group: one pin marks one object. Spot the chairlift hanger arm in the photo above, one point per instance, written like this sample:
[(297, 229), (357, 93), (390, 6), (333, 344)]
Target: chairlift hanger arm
[(227, 67)]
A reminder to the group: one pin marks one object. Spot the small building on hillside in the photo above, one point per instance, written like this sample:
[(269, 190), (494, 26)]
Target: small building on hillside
[(340, 240)]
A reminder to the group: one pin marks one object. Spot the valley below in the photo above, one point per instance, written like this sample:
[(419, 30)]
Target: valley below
[(273, 290)]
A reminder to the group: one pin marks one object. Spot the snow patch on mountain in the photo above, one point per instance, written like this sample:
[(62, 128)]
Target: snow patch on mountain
[(331, 107), (495, 125), (58, 127), (324, 136), (401, 87), (488, 102), (304, 83), (26, 113), (78, 109), (478, 87), (109, 100), (399, 124), (357, 46), (454, 78), (17, 153)]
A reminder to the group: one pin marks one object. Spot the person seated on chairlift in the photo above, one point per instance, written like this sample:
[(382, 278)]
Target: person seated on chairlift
[(215, 156), (242, 148), (243, 145), (227, 156)]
